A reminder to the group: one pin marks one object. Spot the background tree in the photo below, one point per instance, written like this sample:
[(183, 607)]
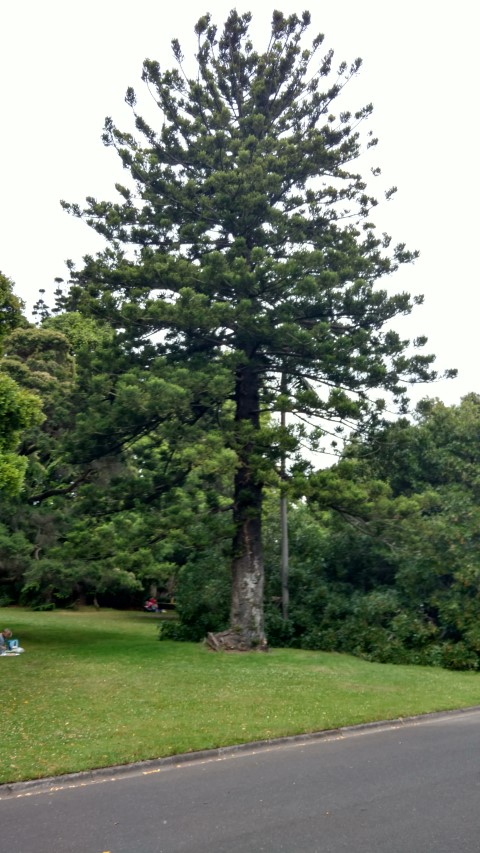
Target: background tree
[(254, 255), (399, 558), (118, 440), (19, 409)]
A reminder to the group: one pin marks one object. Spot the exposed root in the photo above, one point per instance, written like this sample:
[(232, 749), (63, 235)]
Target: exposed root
[(234, 641)]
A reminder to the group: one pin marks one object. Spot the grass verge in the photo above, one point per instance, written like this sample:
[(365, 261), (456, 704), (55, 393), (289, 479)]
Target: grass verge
[(95, 689)]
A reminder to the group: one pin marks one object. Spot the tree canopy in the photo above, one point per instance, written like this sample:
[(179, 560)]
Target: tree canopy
[(242, 252), (19, 409)]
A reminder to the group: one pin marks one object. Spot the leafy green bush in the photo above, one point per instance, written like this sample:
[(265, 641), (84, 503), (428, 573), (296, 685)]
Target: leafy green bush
[(280, 632), (202, 599), (44, 606), (459, 656)]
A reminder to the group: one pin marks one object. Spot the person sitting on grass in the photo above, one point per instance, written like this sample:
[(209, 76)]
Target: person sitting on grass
[(4, 638), (7, 645)]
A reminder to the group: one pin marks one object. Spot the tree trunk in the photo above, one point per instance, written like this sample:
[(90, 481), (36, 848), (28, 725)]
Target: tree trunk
[(246, 630), (246, 614), (81, 596)]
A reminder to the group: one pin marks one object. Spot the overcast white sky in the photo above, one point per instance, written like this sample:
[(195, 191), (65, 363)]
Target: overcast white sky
[(64, 66)]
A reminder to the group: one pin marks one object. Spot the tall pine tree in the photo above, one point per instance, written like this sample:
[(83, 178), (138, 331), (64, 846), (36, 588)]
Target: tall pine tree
[(243, 241)]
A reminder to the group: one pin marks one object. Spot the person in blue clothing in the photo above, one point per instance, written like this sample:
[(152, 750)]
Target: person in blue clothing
[(7, 645), (5, 636)]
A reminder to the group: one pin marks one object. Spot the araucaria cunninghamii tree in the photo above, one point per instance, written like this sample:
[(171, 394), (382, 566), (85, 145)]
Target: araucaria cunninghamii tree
[(243, 242)]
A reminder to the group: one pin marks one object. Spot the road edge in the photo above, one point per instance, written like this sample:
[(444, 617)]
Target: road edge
[(103, 774)]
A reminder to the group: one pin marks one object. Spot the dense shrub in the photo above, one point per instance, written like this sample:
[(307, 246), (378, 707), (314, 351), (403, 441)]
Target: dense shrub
[(202, 599)]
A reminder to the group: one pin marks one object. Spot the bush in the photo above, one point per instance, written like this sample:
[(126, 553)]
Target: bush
[(459, 656), (280, 632), (44, 606), (202, 600)]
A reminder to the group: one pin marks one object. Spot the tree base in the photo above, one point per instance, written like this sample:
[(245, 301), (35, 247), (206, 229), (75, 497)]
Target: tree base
[(234, 641)]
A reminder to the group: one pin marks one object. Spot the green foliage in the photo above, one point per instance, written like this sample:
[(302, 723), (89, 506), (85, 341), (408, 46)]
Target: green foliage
[(19, 410), (242, 251), (15, 550), (11, 308), (397, 577), (202, 591), (241, 279)]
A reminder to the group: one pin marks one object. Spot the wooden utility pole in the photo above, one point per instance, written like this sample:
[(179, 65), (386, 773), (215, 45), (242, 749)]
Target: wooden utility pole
[(284, 510)]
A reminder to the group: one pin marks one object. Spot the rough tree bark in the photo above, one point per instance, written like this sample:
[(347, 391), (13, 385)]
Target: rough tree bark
[(246, 613)]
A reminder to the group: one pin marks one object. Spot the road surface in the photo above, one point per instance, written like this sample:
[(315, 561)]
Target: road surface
[(408, 788)]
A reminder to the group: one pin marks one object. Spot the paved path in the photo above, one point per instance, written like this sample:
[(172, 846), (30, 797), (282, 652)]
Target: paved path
[(411, 788)]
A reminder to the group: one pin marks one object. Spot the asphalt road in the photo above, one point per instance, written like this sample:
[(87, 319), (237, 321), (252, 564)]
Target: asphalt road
[(412, 788)]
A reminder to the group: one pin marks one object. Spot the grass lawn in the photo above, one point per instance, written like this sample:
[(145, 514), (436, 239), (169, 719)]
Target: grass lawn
[(96, 688)]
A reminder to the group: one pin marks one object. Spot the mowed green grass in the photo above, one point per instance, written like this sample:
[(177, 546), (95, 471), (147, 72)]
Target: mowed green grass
[(95, 689)]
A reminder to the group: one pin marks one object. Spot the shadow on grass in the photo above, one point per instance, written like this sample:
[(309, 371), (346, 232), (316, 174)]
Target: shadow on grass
[(79, 630)]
